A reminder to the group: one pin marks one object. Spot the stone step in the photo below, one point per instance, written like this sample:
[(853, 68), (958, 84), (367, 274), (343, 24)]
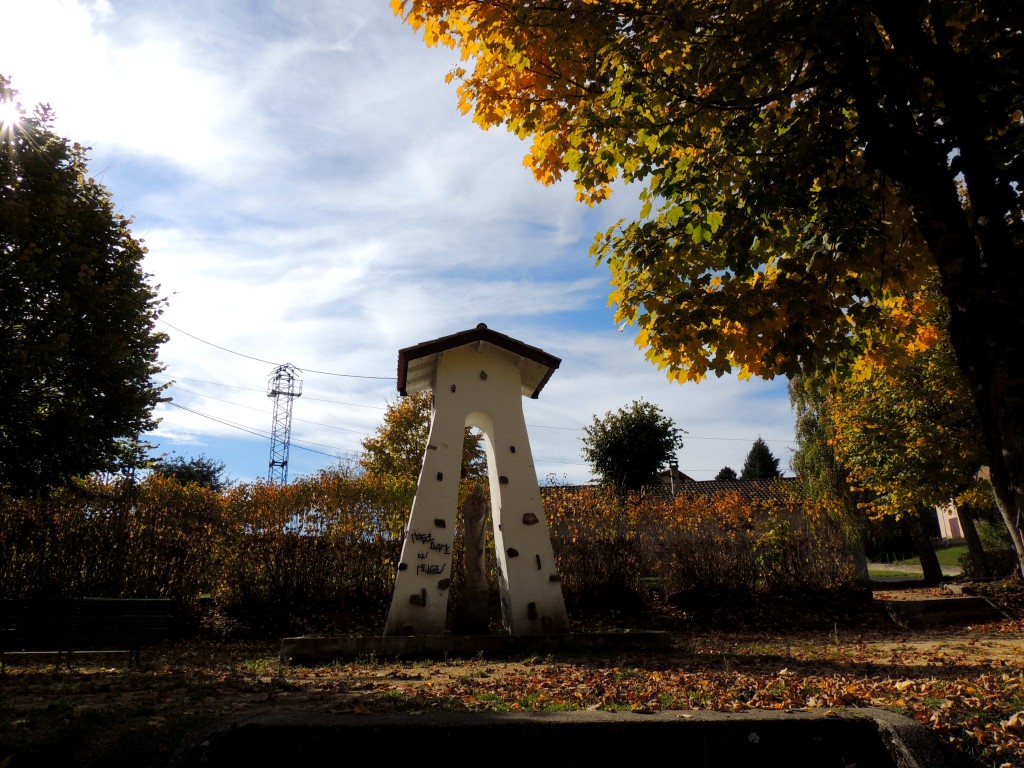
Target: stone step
[(941, 611), (580, 739)]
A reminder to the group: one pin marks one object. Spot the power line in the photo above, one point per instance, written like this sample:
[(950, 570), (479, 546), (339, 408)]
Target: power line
[(739, 439), (217, 346), (263, 411), (359, 405), (686, 437), (265, 435), (173, 379), (383, 408), (559, 461), (269, 362), (225, 422), (352, 453)]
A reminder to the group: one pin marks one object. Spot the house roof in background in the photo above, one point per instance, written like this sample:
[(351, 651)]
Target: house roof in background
[(773, 489)]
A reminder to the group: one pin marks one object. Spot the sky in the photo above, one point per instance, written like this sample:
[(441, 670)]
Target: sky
[(309, 194)]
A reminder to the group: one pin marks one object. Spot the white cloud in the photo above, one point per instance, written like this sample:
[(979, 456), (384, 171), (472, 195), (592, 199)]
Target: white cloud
[(309, 194)]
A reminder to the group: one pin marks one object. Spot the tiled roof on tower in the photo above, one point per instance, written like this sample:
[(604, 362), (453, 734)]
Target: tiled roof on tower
[(418, 363)]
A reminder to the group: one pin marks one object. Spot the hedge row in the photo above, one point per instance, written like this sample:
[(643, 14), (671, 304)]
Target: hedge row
[(320, 553)]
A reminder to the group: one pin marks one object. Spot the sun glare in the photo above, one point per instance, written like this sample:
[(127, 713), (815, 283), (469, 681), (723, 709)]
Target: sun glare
[(10, 117)]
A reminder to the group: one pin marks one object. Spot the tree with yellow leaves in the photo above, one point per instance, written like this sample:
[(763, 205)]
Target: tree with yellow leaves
[(803, 166), (909, 441), (396, 449)]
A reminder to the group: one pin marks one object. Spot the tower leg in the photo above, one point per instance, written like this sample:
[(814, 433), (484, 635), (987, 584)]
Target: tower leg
[(419, 605)]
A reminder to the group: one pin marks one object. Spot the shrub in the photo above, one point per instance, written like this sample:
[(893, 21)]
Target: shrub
[(320, 554)]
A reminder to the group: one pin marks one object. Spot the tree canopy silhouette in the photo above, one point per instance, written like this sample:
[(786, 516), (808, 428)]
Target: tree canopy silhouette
[(628, 448), (77, 315)]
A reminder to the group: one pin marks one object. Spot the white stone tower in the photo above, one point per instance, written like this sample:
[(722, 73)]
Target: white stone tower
[(478, 378)]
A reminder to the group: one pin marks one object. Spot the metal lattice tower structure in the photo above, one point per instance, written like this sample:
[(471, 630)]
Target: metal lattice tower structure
[(284, 386)]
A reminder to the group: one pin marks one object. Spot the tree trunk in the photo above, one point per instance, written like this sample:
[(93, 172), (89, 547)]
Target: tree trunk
[(1011, 514), (930, 566), (988, 335), (861, 577), (966, 209), (974, 548)]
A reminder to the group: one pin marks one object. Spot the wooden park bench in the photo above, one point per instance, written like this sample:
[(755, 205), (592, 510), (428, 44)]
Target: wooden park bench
[(66, 626)]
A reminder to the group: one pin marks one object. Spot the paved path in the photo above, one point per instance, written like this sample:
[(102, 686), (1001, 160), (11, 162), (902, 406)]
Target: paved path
[(947, 570)]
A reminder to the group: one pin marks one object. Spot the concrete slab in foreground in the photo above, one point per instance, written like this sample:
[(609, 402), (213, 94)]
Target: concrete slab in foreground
[(313, 650), (942, 611), (866, 738)]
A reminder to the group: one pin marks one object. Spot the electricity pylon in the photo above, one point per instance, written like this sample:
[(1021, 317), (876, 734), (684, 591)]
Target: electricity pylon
[(284, 386)]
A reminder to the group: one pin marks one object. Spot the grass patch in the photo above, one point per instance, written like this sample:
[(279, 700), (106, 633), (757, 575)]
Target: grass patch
[(948, 555), (951, 555), (881, 572)]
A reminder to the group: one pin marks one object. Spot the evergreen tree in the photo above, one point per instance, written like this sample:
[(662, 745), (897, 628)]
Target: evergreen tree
[(760, 464), (726, 473)]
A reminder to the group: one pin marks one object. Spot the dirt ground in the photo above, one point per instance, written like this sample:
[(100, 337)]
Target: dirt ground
[(965, 682)]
